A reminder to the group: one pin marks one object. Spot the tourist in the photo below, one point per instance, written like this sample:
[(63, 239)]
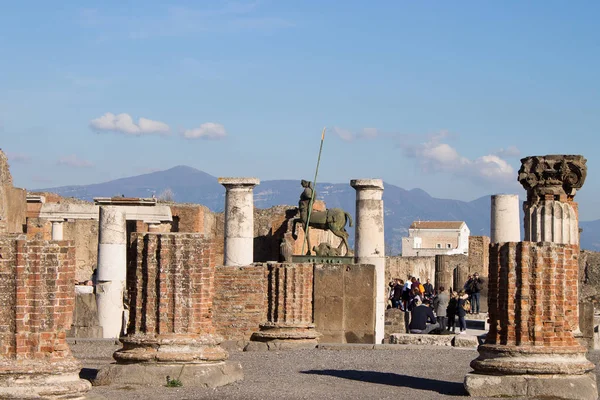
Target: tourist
[(397, 293), (428, 289), (452, 310), (476, 287), (406, 293), (464, 306), (467, 286), (415, 297), (440, 305), (422, 319)]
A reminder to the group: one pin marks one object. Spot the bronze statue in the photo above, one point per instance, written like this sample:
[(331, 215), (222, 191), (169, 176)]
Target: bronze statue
[(333, 219)]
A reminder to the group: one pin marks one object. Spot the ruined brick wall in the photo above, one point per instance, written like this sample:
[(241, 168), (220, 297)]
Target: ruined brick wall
[(37, 298), (403, 267), (170, 283), (240, 302), (533, 294), (479, 255)]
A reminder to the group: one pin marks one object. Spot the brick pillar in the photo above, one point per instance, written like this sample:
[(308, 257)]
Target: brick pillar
[(37, 297), (530, 349), (290, 309), (170, 292)]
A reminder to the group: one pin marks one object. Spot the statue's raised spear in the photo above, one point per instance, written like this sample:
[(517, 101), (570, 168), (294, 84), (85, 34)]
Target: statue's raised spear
[(312, 197)]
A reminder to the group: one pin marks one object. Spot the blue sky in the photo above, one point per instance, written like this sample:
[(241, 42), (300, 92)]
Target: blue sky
[(443, 96)]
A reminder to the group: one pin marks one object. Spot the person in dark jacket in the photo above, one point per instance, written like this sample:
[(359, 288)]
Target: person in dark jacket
[(463, 308), (476, 287), (397, 293), (428, 289), (422, 319), (451, 311)]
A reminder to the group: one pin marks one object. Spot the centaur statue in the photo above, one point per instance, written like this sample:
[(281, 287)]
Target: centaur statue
[(333, 219)]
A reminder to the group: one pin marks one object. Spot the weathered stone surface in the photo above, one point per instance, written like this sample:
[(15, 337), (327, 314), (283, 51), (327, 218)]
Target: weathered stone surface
[(589, 276), (552, 175), (415, 339), (573, 387), (394, 322), (465, 341), (196, 375), (85, 317)]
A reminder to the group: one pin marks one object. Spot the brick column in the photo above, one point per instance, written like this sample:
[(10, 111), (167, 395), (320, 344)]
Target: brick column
[(37, 297), (239, 220), (530, 349), (369, 242), (170, 292), (290, 309)]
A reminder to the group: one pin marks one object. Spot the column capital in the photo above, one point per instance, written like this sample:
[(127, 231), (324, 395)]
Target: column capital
[(230, 183), (367, 184)]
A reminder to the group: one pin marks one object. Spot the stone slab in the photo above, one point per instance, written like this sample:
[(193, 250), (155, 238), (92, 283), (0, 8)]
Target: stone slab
[(195, 375), (43, 386), (275, 345), (465, 341), (429, 340), (575, 387), (345, 346)]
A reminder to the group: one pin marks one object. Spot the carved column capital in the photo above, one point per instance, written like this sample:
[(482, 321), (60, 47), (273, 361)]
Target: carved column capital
[(556, 177)]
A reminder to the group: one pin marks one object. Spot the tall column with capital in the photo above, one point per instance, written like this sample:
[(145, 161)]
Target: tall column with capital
[(239, 220), (369, 241)]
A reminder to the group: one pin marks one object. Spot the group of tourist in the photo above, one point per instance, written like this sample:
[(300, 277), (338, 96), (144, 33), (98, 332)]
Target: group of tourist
[(435, 310)]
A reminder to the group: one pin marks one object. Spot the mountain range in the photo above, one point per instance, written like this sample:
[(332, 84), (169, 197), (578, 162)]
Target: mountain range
[(402, 207)]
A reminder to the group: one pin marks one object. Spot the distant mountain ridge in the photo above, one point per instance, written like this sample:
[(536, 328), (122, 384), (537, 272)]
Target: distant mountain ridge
[(402, 207)]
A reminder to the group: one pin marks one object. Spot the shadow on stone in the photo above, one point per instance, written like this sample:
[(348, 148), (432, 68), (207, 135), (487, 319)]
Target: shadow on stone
[(88, 373), (388, 378)]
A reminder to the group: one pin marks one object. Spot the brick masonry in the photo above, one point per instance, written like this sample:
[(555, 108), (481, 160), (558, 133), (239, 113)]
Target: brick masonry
[(533, 294), (36, 290)]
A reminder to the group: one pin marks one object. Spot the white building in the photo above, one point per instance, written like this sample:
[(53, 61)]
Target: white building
[(429, 238)]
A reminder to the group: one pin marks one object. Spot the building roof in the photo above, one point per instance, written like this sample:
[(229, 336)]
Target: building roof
[(436, 224)]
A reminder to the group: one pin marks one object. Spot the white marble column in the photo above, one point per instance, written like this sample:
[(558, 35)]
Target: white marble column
[(57, 229), (551, 221), (505, 219), (369, 243), (112, 269), (239, 220)]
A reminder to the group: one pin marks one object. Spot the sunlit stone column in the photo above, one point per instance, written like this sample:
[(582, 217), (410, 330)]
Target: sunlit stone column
[(505, 220), (57, 229), (239, 220), (370, 240), (112, 269)]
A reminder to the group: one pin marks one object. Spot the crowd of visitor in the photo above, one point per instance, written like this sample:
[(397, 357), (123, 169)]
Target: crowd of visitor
[(436, 310)]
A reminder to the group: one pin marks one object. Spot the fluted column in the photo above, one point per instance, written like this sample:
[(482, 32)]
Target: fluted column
[(369, 241), (239, 220)]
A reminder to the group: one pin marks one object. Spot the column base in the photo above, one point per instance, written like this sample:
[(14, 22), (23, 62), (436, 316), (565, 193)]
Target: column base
[(574, 387), (208, 375), (274, 336), (33, 379)]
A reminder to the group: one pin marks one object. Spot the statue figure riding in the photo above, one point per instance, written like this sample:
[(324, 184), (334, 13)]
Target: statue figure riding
[(333, 219)]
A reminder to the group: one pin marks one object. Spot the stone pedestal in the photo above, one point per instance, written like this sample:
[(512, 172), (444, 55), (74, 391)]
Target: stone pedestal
[(505, 223), (369, 242), (239, 220), (289, 322), (170, 328), (37, 296), (112, 269), (530, 349)]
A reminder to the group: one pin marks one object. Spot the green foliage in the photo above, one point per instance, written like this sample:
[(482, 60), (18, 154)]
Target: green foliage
[(173, 382)]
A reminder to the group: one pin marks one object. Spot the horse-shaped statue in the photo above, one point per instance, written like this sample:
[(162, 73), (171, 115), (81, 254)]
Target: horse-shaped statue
[(333, 219)]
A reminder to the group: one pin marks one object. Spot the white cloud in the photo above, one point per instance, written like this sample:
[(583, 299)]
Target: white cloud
[(348, 136), (436, 156), (74, 161), (18, 157), (208, 130), (511, 151), (343, 134), (123, 123)]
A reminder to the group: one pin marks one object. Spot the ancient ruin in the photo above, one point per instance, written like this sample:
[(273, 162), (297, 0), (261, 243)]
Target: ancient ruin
[(531, 349)]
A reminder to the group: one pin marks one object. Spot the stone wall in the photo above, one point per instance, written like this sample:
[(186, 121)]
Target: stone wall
[(13, 201), (479, 255), (240, 302), (403, 267), (589, 276), (344, 303), (36, 290)]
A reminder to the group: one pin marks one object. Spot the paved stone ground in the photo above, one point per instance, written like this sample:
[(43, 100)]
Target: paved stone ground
[(410, 372)]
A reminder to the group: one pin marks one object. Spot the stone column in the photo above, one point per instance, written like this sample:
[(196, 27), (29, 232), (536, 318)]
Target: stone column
[(530, 349), (290, 310), (37, 297), (551, 182), (239, 220), (57, 229), (369, 242), (505, 223), (171, 331), (153, 226), (112, 269), (444, 272)]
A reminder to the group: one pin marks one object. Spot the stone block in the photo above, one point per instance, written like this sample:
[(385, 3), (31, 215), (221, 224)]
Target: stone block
[(574, 387), (154, 374), (417, 339), (465, 341)]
